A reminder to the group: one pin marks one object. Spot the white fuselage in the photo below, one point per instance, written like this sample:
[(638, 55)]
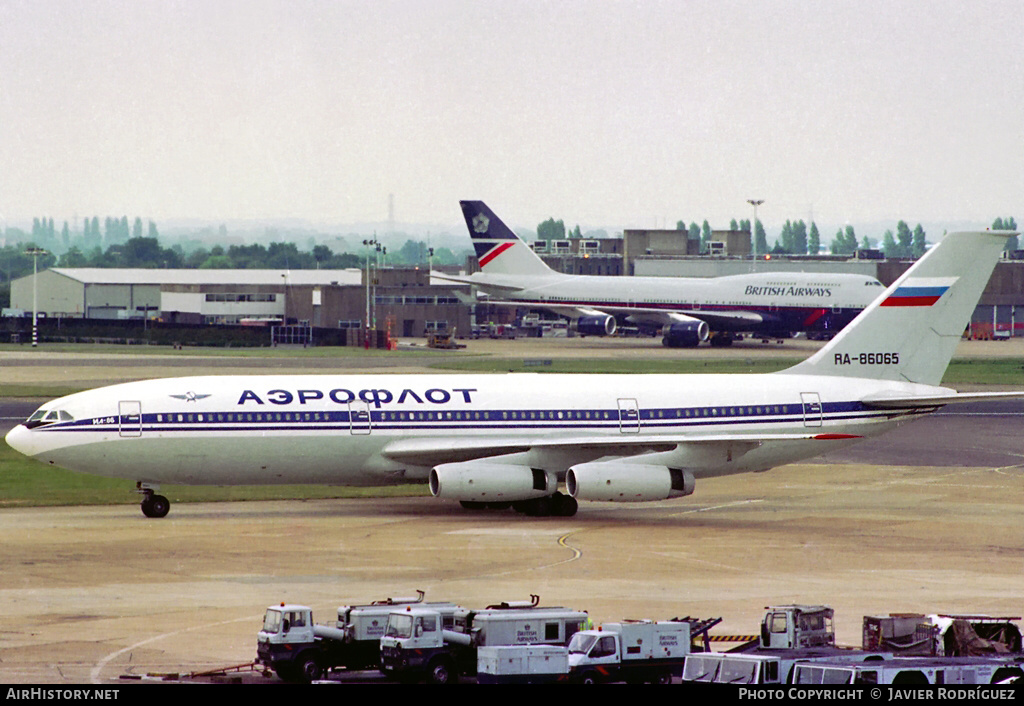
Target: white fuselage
[(792, 301), (759, 291), (353, 430)]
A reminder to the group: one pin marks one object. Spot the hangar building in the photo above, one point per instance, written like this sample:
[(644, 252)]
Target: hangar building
[(403, 297)]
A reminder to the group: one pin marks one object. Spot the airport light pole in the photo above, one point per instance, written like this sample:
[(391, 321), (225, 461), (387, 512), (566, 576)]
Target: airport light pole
[(381, 253), (284, 279), (753, 226), (372, 242), (35, 253)]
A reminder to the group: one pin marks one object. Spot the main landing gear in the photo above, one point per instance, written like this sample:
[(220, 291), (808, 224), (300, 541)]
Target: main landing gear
[(153, 505), (557, 505)]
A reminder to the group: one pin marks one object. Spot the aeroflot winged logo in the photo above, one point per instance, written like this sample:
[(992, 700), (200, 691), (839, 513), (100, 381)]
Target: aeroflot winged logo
[(919, 291), (190, 396)]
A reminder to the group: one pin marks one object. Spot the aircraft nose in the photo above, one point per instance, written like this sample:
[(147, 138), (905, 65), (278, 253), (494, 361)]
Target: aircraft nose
[(20, 439)]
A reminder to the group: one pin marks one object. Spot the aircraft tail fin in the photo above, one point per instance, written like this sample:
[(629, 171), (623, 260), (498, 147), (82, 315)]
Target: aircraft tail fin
[(910, 332), (498, 249)]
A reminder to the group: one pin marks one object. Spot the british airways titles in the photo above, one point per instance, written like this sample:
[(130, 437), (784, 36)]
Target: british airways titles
[(784, 291)]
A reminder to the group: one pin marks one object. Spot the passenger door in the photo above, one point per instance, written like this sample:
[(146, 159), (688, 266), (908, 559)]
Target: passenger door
[(812, 409), (129, 418), (629, 416), (359, 417)]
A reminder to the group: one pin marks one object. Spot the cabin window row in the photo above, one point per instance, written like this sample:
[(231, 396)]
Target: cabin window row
[(507, 415)]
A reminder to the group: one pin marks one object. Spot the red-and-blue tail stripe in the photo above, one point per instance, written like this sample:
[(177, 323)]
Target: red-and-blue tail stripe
[(492, 252), (915, 296)]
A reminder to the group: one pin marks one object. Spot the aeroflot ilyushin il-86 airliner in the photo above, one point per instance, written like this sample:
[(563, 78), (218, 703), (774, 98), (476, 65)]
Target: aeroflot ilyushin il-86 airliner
[(685, 310), (488, 440)]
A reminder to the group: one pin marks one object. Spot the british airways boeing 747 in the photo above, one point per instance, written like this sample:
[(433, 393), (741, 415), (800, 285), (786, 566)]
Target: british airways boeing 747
[(492, 440), (686, 310)]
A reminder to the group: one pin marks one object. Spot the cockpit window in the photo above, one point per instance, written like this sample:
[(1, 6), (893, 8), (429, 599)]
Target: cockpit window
[(44, 416)]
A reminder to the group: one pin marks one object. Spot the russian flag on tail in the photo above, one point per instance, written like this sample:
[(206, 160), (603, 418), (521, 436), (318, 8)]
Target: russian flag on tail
[(919, 291)]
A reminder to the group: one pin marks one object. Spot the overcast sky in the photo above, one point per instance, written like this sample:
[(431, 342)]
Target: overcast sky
[(606, 114)]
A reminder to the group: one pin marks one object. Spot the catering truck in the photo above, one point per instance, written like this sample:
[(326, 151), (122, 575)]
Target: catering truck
[(299, 650), (635, 651), (418, 646)]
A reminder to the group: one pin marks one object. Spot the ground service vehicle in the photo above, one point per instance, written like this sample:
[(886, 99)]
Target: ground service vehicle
[(797, 626), (522, 664), (789, 634), (942, 635), (761, 666), (299, 650), (416, 645), (636, 652), (913, 670)]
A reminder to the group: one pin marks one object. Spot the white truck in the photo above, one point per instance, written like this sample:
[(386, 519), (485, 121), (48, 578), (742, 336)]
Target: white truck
[(299, 650), (417, 646), (634, 651)]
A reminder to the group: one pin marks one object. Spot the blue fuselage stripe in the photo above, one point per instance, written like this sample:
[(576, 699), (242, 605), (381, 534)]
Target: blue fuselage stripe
[(653, 420)]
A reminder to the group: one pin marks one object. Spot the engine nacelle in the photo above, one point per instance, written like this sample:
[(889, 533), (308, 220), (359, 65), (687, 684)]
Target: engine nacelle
[(685, 334), (618, 481), (594, 325), (486, 481)]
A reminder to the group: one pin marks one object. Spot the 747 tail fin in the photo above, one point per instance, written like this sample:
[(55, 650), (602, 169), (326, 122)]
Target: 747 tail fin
[(498, 249), (911, 331)]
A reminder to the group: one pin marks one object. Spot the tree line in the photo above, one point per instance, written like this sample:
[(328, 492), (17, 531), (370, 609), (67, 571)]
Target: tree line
[(797, 238), (114, 231)]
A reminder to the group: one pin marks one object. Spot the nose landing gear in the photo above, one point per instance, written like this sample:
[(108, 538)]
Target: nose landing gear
[(153, 505)]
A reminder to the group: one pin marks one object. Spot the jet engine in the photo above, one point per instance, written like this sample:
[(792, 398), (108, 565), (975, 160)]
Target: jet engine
[(597, 325), (684, 334), (619, 481), (486, 481)]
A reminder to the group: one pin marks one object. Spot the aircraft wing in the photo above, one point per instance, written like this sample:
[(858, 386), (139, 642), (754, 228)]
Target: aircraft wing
[(731, 320), (568, 311), (736, 319), (436, 450)]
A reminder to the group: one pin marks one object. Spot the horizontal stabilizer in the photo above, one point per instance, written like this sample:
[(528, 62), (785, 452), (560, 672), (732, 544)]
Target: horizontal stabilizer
[(937, 400), (491, 284)]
